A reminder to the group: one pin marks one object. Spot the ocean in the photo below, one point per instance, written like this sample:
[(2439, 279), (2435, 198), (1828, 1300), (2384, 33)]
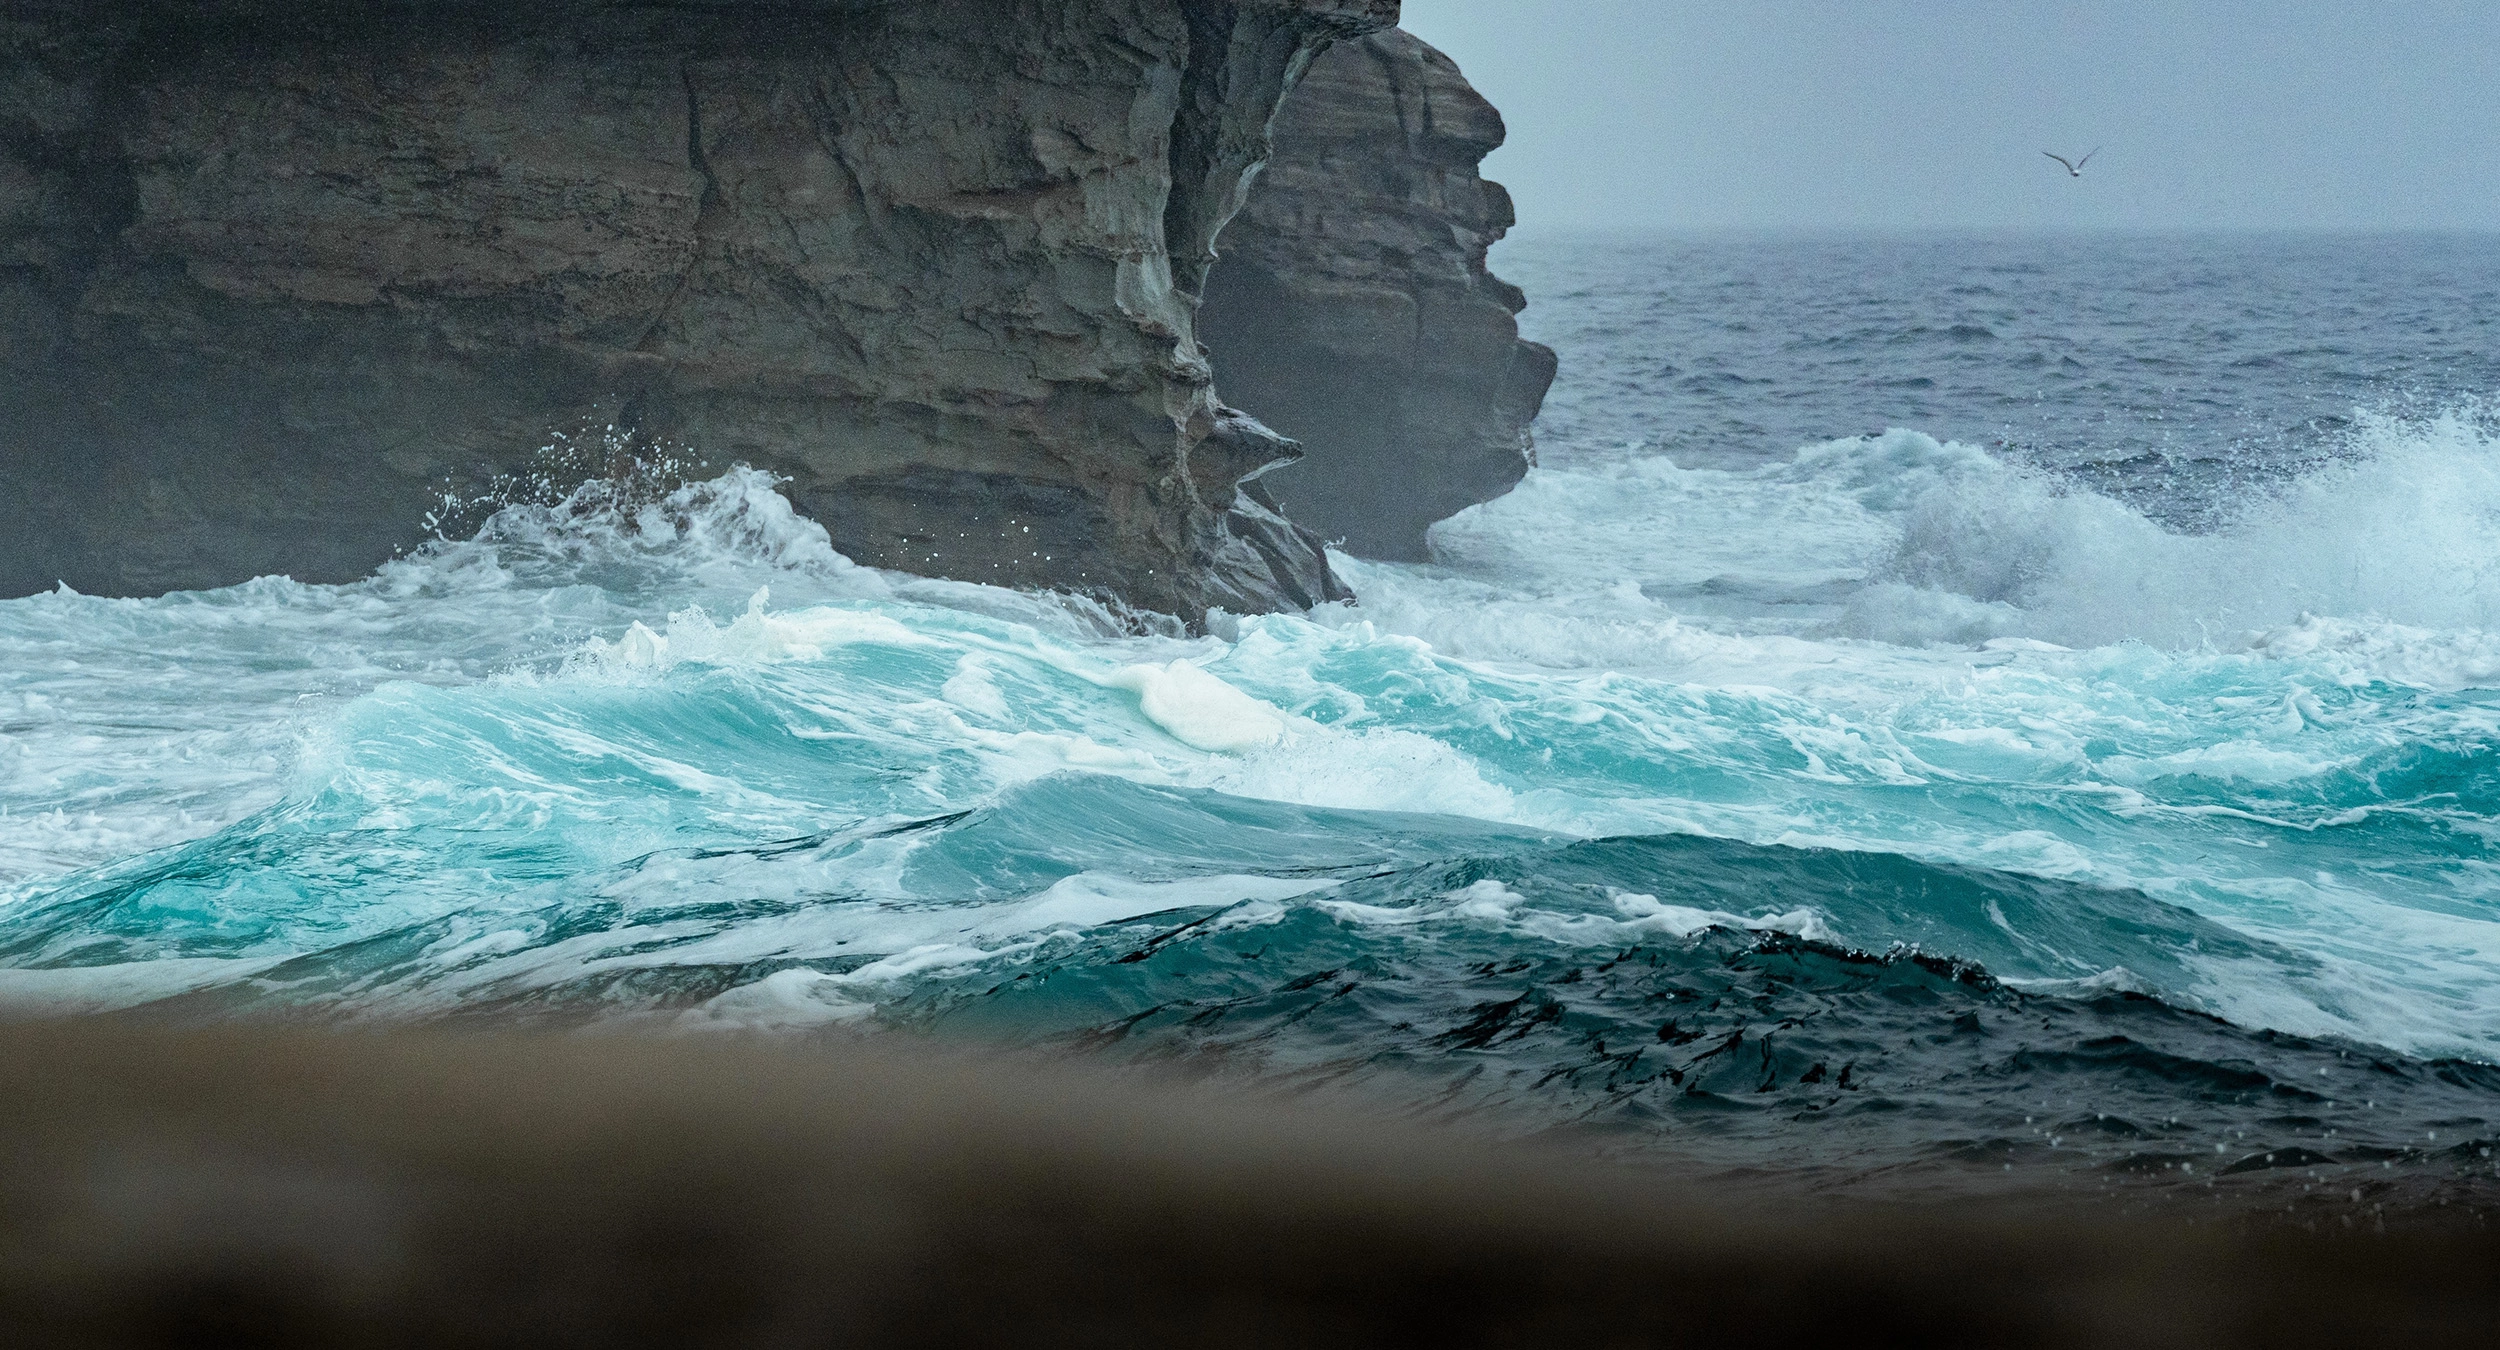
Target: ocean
[(1941, 714)]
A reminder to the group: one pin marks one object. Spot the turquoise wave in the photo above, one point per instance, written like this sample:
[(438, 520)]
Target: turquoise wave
[(1580, 853)]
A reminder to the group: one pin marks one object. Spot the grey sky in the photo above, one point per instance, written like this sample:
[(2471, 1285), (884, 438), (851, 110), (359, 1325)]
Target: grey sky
[(1819, 114)]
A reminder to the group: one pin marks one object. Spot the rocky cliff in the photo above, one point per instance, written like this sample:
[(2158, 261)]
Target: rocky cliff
[(1353, 310), (277, 275)]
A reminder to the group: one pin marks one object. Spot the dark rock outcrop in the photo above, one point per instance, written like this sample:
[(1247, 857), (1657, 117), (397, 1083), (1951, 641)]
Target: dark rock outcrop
[(1353, 311), (278, 275)]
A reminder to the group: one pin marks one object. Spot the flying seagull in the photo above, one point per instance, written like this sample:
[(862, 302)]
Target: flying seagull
[(2074, 167)]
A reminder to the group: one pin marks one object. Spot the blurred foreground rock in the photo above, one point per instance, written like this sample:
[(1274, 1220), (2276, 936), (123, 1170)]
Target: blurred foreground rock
[(276, 1188)]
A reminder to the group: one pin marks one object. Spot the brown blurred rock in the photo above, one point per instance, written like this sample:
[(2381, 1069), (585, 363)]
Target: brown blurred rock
[(250, 1186), (277, 275), (1353, 311)]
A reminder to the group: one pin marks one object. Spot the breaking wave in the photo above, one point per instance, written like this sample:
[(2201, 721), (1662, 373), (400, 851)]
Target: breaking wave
[(1897, 778)]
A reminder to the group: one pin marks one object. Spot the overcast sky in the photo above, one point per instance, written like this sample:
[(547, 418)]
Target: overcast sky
[(1852, 114)]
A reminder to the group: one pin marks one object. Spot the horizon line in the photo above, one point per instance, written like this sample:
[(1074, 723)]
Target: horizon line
[(1965, 230)]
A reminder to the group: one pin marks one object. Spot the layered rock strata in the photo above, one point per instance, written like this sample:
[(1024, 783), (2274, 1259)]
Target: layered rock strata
[(277, 276), (1353, 309)]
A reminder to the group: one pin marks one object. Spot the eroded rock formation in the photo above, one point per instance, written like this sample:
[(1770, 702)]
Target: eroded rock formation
[(275, 275), (1353, 310)]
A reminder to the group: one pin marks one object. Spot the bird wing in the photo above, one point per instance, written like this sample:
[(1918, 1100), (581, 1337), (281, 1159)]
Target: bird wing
[(2087, 158), (2061, 159)]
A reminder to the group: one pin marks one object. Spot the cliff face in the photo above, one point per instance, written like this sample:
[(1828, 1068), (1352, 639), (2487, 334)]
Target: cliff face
[(276, 275), (1353, 311)]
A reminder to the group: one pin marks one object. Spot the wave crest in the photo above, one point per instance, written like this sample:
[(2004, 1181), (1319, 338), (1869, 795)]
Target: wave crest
[(2401, 527)]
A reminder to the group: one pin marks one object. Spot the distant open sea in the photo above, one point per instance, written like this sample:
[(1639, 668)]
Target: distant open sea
[(1941, 713)]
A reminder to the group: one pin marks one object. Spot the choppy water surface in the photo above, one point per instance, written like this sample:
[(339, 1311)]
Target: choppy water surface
[(2091, 774)]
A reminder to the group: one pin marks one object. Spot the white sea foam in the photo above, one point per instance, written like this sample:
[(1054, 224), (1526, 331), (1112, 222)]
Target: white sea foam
[(757, 636), (1379, 769), (971, 689), (2356, 652), (1639, 918), (728, 528), (1197, 708), (1904, 539), (1648, 912), (2403, 528)]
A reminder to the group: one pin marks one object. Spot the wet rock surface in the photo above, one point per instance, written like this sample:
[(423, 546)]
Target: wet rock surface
[(1353, 309), (279, 278)]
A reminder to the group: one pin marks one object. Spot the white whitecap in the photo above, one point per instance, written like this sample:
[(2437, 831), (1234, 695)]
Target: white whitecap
[(1198, 709)]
